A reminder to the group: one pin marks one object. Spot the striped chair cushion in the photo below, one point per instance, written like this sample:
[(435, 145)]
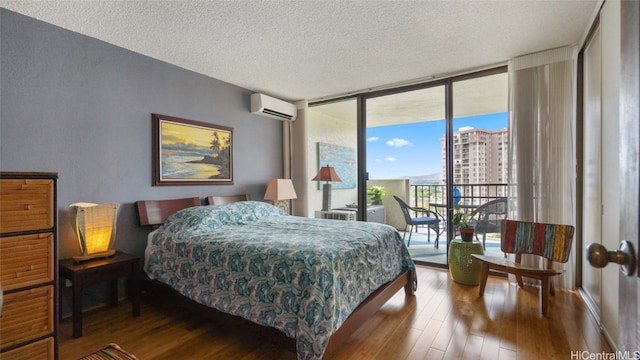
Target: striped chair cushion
[(551, 241)]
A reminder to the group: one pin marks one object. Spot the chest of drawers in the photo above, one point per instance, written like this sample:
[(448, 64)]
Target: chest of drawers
[(28, 265)]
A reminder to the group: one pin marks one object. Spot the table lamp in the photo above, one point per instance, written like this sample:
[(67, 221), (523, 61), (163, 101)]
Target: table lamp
[(280, 191), (95, 227), (326, 174)]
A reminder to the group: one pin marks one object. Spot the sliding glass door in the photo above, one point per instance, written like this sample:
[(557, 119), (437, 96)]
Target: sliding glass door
[(407, 136), (332, 141), (435, 146), (404, 137), (480, 151)]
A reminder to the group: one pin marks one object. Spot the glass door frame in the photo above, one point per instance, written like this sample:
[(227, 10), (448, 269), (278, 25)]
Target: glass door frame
[(362, 174), (362, 156)]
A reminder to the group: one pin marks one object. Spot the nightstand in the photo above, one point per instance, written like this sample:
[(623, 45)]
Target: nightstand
[(121, 265)]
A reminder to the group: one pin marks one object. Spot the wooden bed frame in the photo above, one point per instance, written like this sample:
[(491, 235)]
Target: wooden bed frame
[(154, 212)]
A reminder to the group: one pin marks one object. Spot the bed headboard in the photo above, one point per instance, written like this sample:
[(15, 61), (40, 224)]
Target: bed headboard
[(219, 200), (155, 212)]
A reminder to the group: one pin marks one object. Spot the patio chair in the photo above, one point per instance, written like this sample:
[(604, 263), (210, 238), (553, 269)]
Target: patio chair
[(487, 218), (429, 218)]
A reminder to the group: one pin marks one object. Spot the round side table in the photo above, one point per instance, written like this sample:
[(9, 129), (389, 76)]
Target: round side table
[(463, 267)]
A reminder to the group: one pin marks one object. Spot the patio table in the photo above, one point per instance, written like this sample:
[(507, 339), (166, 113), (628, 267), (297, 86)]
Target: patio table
[(440, 209), (444, 207)]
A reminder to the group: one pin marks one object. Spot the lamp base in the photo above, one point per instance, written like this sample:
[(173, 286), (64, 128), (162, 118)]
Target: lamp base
[(282, 204), (104, 254), (326, 196)]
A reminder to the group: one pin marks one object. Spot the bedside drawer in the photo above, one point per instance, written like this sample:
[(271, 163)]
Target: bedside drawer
[(26, 315), (27, 204), (42, 349), (26, 260)]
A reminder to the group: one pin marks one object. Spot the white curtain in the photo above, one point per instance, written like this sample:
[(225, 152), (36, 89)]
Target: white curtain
[(542, 148)]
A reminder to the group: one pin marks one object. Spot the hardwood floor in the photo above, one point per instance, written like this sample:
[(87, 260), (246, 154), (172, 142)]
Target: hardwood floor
[(444, 320)]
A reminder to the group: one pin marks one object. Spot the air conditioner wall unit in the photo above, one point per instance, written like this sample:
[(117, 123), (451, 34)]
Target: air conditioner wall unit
[(271, 107), (336, 215)]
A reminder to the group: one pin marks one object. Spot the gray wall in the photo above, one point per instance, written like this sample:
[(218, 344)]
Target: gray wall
[(82, 107)]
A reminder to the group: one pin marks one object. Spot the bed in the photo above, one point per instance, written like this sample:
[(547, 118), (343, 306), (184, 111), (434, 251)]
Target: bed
[(315, 280)]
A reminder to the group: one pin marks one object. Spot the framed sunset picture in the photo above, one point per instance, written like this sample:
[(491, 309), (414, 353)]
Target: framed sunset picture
[(188, 152)]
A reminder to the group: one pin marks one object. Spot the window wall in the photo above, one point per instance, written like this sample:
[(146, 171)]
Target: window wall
[(403, 148), (480, 138), (333, 141), (421, 143)]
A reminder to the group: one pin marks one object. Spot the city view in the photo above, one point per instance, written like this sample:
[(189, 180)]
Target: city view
[(416, 151)]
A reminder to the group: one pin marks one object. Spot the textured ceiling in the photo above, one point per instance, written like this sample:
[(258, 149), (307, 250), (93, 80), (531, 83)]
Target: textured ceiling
[(317, 49)]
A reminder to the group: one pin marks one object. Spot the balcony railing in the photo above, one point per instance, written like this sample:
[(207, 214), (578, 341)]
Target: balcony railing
[(470, 194)]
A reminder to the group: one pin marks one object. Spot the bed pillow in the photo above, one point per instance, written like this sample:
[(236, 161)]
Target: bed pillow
[(205, 218)]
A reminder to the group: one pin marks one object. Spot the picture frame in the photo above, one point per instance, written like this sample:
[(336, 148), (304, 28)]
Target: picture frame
[(189, 152)]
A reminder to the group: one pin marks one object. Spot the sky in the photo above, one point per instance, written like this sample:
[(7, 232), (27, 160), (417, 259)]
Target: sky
[(398, 151)]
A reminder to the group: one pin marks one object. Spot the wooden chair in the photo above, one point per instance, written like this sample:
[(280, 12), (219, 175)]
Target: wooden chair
[(550, 241), (218, 200), (428, 218)]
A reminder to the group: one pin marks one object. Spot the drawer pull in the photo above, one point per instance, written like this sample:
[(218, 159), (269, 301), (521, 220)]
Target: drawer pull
[(27, 206)]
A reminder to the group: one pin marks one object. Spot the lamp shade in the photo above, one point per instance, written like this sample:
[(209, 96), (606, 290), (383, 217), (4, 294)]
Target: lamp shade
[(95, 227), (280, 189), (327, 173)]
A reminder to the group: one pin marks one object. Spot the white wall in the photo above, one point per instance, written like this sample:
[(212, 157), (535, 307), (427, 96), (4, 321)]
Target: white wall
[(399, 187)]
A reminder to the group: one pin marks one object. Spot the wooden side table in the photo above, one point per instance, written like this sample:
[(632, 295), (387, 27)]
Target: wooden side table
[(98, 270)]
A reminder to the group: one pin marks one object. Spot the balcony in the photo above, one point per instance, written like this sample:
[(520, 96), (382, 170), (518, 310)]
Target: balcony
[(471, 194), (433, 197)]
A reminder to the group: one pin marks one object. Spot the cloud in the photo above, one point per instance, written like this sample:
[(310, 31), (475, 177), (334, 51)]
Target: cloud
[(373, 138), (387, 159), (399, 143)]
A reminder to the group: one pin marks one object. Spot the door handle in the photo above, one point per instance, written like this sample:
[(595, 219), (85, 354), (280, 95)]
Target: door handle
[(625, 256)]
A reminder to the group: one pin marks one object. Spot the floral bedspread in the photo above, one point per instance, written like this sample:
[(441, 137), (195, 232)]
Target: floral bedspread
[(299, 275)]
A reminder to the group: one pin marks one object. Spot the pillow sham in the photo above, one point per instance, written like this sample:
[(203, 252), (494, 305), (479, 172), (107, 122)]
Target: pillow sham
[(205, 218)]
